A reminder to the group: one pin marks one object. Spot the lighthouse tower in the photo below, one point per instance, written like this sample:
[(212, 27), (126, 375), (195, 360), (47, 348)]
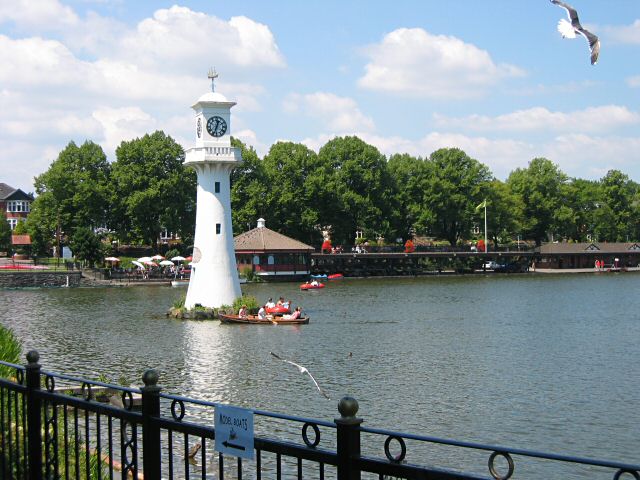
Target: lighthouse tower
[(214, 276)]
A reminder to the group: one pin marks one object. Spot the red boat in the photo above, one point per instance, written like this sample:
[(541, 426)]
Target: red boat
[(335, 276), (311, 286), (278, 310)]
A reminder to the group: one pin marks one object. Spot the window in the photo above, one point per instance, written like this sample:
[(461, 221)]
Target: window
[(17, 206), (217, 187), (12, 222), (218, 227)]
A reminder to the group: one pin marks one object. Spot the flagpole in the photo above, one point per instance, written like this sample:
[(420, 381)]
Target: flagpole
[(486, 243)]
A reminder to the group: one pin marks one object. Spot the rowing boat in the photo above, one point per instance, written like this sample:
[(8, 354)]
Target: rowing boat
[(254, 320)]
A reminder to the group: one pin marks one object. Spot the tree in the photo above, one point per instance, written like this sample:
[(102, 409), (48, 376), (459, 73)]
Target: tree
[(248, 190), (5, 235), (618, 192), (504, 216), (86, 245), (291, 206), (410, 175), (72, 193), (456, 185), (355, 190), (151, 190), (539, 189)]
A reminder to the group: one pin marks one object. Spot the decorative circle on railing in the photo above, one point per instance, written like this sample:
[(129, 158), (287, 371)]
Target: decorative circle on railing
[(50, 383), (180, 416), (305, 437), (127, 400), (20, 376), (86, 391), (492, 468), (622, 471), (403, 449)]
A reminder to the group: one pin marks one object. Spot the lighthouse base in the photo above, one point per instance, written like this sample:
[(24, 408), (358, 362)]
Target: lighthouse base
[(211, 286)]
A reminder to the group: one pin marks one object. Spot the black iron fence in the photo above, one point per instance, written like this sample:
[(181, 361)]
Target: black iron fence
[(58, 426)]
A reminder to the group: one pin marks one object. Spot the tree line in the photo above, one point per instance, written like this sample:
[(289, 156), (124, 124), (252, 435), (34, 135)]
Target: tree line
[(347, 186)]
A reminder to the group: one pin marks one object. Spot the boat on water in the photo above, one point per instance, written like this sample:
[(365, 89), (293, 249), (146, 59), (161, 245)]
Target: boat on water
[(335, 276), (311, 286), (254, 320), (321, 276), (179, 283)]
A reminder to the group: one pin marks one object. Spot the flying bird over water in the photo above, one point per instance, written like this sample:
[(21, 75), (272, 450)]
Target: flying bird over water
[(303, 370), (569, 30)]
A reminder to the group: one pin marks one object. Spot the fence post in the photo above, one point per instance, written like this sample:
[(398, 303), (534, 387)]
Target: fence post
[(34, 416), (151, 451), (348, 436)]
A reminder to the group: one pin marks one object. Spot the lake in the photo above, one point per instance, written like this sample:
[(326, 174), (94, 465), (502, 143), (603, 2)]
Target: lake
[(542, 362)]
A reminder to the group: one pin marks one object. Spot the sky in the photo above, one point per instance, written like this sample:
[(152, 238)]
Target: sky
[(493, 77)]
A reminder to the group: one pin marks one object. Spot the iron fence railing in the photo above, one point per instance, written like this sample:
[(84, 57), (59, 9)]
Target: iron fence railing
[(60, 426)]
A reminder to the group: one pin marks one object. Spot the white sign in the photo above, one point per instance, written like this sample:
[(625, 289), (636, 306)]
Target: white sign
[(234, 431)]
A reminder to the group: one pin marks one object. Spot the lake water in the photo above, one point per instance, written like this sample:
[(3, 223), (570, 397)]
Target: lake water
[(542, 362)]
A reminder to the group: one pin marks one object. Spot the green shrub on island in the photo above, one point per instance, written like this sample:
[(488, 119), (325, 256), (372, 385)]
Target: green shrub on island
[(249, 301)]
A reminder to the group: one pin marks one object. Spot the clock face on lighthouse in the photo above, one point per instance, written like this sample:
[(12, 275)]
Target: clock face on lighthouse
[(216, 126)]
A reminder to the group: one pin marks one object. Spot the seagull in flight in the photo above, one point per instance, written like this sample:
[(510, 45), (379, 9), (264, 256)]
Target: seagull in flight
[(569, 30), (302, 370)]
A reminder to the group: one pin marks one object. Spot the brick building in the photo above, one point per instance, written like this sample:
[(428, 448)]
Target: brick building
[(14, 204)]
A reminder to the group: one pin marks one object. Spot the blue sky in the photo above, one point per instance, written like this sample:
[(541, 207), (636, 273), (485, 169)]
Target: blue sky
[(494, 78)]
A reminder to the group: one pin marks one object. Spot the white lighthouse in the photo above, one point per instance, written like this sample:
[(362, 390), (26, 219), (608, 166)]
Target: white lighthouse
[(214, 276)]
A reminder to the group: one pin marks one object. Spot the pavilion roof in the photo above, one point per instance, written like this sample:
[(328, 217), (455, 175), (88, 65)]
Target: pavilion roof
[(262, 239)]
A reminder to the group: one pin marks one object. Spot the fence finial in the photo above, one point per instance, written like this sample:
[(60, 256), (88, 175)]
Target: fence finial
[(348, 407), (33, 356), (150, 378)]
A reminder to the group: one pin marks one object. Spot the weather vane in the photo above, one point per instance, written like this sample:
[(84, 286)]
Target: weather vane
[(213, 75)]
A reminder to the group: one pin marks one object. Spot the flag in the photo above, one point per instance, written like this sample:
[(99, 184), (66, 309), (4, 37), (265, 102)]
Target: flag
[(482, 205)]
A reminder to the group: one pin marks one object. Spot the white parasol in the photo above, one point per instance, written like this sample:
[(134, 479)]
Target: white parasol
[(144, 259), (157, 257), (111, 259), (138, 264), (166, 263), (178, 259)]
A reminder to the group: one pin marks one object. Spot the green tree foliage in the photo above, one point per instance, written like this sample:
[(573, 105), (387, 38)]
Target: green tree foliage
[(5, 235), (86, 245), (249, 187), (151, 190), (291, 205), (353, 190), (504, 213), (73, 192), (618, 193), (540, 189), (410, 175), (456, 185), (574, 219)]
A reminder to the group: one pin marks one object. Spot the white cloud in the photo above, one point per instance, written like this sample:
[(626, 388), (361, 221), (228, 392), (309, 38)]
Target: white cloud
[(629, 34), (41, 14), (121, 124), (587, 156), (577, 155), (340, 114), (593, 119), (414, 62), (181, 37)]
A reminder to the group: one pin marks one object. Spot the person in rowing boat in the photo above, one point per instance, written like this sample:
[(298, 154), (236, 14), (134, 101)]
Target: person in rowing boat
[(269, 303), (295, 315), (262, 313), (242, 313)]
